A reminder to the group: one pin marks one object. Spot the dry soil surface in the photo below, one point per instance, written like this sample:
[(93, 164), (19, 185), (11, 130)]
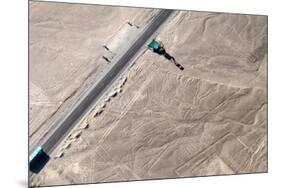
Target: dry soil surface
[(163, 122), (66, 47)]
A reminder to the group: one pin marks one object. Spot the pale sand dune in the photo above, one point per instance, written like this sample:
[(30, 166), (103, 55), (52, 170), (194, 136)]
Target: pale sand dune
[(210, 119)]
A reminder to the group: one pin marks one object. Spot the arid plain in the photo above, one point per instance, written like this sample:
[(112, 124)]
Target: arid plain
[(159, 121), (66, 47)]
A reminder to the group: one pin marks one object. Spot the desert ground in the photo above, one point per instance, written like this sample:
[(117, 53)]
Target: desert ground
[(159, 121), (66, 47)]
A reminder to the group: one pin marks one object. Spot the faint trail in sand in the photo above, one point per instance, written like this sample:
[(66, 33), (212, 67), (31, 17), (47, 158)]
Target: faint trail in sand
[(129, 105)]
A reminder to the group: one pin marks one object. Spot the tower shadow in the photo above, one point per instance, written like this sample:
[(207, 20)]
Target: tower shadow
[(173, 60)]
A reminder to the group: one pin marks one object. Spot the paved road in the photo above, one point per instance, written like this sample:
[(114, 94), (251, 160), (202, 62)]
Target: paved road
[(66, 123)]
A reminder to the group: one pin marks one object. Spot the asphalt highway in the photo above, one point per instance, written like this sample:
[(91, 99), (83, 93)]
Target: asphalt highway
[(67, 121)]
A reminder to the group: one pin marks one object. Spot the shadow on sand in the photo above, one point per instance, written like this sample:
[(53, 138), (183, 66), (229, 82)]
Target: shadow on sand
[(172, 59), (38, 163)]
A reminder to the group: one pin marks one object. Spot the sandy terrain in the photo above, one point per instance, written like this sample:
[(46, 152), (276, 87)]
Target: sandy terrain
[(161, 122), (65, 53)]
